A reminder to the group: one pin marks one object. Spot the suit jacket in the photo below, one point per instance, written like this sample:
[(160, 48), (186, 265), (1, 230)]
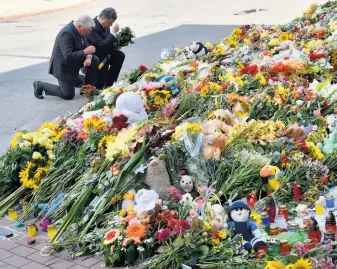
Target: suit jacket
[(68, 56), (102, 39)]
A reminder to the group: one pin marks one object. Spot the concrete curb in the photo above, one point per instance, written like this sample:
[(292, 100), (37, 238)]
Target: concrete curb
[(41, 12)]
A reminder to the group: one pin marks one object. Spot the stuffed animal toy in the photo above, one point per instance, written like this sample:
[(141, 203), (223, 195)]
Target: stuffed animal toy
[(157, 178), (239, 216), (195, 50), (302, 210), (330, 143), (131, 105), (147, 201), (187, 183), (295, 132), (128, 203), (274, 176), (331, 121), (214, 140), (219, 216), (170, 82), (226, 118)]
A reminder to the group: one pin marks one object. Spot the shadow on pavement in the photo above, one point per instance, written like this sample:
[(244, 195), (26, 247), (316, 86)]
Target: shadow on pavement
[(20, 110)]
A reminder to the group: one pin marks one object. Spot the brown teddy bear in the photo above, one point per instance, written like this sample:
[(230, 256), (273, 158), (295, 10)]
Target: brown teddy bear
[(295, 132), (214, 140), (226, 118)]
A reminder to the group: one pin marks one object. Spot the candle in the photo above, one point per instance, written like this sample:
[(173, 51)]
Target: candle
[(319, 209), (271, 208), (284, 247), (31, 230), (12, 214), (51, 231), (283, 211), (265, 218), (330, 201)]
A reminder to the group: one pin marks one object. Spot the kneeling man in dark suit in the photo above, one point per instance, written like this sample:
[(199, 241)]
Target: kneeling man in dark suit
[(103, 37), (70, 53)]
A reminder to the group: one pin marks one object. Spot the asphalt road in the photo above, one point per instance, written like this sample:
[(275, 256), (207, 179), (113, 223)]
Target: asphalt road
[(33, 38)]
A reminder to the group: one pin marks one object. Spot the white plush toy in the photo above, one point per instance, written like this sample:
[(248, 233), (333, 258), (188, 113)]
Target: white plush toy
[(195, 50), (131, 105), (331, 120), (187, 183)]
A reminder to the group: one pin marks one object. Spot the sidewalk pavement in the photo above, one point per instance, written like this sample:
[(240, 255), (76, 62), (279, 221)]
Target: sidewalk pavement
[(17, 9), (16, 253)]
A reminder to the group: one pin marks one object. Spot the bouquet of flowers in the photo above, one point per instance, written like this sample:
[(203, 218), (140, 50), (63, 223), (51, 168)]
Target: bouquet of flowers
[(124, 37), (89, 92)]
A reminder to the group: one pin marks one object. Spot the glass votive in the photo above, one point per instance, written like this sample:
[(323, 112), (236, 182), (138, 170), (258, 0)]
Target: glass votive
[(12, 214)]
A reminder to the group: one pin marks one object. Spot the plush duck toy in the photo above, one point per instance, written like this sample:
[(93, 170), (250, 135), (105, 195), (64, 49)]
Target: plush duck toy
[(274, 176)]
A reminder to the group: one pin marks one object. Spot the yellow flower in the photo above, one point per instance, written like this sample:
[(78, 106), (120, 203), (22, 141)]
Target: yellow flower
[(300, 264), (256, 217), (231, 42), (274, 265), (261, 79), (274, 42), (223, 234), (236, 31), (15, 139), (186, 127), (208, 45), (25, 174), (204, 91), (40, 173), (239, 81), (26, 144), (93, 123), (105, 140), (47, 127), (265, 34), (207, 226), (59, 135), (215, 241), (37, 156), (219, 49)]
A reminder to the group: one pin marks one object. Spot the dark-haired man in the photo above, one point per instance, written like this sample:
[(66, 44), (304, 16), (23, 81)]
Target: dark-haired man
[(103, 37)]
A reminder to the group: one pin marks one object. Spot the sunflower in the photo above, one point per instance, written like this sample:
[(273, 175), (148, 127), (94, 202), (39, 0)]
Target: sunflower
[(93, 122), (111, 236), (274, 265), (300, 264), (15, 139), (136, 230), (26, 174), (105, 140)]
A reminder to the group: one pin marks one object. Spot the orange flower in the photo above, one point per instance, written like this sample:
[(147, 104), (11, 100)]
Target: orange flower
[(82, 135), (136, 230)]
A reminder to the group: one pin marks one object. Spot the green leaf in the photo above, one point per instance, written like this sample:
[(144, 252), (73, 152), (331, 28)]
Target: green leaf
[(109, 174), (179, 242), (203, 249), (292, 258)]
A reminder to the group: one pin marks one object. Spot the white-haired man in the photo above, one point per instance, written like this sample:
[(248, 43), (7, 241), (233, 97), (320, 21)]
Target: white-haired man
[(70, 53)]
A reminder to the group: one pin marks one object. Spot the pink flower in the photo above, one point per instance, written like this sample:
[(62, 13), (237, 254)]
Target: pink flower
[(162, 234), (175, 194), (323, 264), (181, 226), (125, 242), (328, 246), (314, 263), (317, 113), (330, 263)]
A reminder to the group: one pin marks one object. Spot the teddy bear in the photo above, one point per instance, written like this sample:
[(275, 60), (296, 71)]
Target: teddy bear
[(195, 50), (239, 216), (302, 210), (331, 121), (295, 132), (218, 215), (330, 143), (187, 183), (157, 177), (214, 141), (226, 118), (130, 105)]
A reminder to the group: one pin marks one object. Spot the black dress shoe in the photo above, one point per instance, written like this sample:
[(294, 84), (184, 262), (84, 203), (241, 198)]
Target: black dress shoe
[(37, 91)]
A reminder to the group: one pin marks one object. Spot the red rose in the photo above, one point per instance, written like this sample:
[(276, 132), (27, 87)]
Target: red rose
[(143, 68), (119, 123)]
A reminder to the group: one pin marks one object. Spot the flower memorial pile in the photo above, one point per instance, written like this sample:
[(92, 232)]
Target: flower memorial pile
[(220, 159)]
